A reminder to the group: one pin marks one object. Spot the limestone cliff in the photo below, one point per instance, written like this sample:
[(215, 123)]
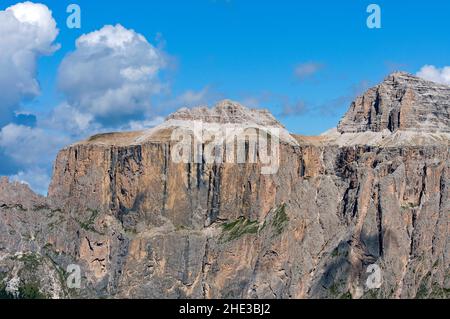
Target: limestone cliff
[(401, 102), (141, 225)]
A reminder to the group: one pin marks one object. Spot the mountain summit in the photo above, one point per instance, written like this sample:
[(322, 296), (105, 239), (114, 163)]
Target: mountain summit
[(401, 102), (226, 112)]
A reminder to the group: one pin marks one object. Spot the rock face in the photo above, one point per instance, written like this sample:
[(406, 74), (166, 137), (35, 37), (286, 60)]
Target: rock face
[(401, 102), (226, 112), (141, 225)]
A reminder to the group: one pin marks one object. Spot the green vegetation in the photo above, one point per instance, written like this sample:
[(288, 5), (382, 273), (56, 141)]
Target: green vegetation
[(438, 292), (62, 276), (31, 261), (57, 218), (276, 222), (26, 291), (264, 225), (3, 293), (30, 290), (338, 252), (371, 294), (89, 224), (430, 289), (234, 230), (48, 246), (280, 220), (435, 292), (423, 292), (346, 295), (100, 136), (334, 290), (335, 252), (408, 206), (29, 284)]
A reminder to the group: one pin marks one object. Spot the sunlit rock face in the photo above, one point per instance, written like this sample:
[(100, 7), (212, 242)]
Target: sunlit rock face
[(140, 225), (400, 102)]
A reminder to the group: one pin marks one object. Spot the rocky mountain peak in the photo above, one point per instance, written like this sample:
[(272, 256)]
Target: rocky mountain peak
[(13, 193), (226, 112), (402, 76), (401, 102), (141, 224)]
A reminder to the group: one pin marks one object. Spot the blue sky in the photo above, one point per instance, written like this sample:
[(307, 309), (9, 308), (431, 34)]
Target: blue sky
[(248, 51)]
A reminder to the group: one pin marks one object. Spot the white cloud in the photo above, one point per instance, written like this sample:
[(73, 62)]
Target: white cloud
[(37, 178), (33, 151), (37, 28), (27, 31), (78, 125), (432, 73), (112, 75), (71, 121), (307, 69), (144, 124), (30, 146), (108, 81)]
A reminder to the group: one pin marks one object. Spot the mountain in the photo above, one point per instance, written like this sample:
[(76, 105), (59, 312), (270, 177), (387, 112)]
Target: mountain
[(401, 102), (226, 112), (371, 195)]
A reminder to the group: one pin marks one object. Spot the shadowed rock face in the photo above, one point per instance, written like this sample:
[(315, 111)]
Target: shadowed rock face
[(142, 226)]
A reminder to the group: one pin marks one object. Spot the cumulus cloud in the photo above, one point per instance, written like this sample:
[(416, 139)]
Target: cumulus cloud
[(71, 121), (37, 178), (144, 124), (27, 31), (307, 69), (30, 146), (30, 151), (108, 82), (435, 74), (112, 75)]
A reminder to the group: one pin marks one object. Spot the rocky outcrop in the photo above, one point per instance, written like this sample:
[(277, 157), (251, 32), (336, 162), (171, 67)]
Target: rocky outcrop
[(226, 112), (401, 102), (141, 225)]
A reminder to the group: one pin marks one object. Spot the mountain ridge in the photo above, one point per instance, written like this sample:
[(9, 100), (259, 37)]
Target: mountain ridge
[(140, 225)]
